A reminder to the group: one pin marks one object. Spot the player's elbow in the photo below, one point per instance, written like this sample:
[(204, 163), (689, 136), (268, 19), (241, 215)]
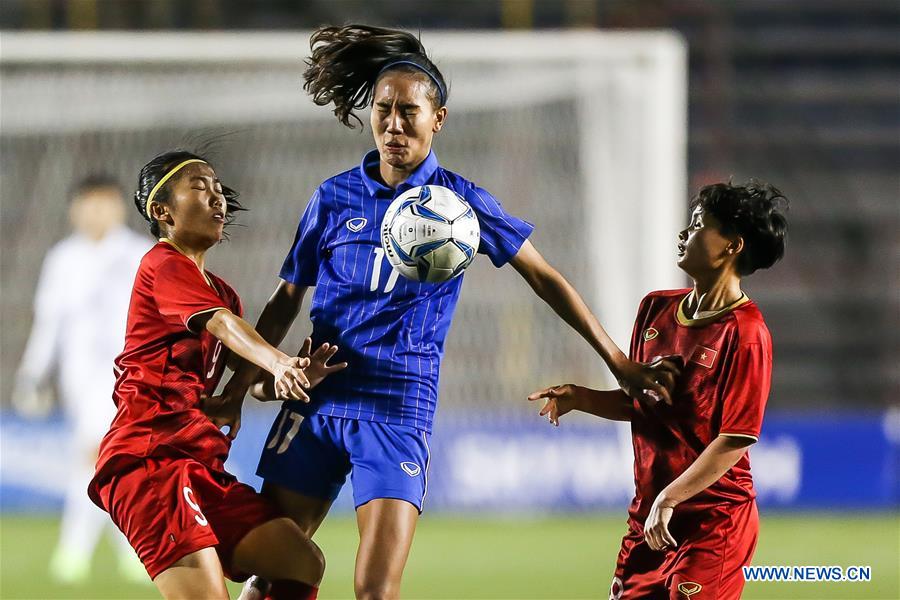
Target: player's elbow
[(534, 269), (217, 323), (546, 281)]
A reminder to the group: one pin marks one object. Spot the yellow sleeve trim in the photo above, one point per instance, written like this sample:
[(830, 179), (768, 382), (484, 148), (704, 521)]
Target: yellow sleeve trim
[(188, 320), (740, 435)]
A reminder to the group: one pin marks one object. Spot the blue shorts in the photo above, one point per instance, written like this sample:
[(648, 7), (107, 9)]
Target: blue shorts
[(312, 456)]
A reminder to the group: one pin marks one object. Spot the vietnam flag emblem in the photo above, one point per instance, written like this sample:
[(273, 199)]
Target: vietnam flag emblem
[(704, 356)]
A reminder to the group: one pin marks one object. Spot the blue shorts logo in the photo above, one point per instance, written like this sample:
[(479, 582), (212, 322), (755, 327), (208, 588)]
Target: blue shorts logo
[(411, 468)]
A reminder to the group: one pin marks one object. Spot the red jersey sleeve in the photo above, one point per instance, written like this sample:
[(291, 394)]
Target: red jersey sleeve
[(746, 391), (181, 291), (237, 307), (638, 328)]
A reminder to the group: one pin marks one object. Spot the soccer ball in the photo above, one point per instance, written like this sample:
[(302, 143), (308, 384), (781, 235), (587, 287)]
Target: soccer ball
[(430, 233)]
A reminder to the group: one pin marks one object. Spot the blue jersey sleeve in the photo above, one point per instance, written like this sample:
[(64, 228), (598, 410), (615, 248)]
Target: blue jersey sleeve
[(301, 266), (501, 233)]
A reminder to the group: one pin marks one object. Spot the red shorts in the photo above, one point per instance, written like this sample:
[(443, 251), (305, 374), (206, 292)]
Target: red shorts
[(713, 545), (171, 507)]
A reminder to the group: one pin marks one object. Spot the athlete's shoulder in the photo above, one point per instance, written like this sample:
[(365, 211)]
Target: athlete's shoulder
[(750, 324), (456, 182), (339, 183), (337, 191), (222, 285), (658, 302), (454, 177), (666, 297), (149, 266), (160, 253), (166, 259), (677, 294)]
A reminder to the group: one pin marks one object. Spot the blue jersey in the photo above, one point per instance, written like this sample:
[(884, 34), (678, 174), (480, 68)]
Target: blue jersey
[(390, 330)]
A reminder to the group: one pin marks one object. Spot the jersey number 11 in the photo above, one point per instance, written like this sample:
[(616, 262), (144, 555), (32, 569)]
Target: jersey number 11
[(376, 273)]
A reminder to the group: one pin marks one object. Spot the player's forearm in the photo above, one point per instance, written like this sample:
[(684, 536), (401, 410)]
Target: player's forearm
[(722, 454), (275, 321), (566, 302), (239, 336), (614, 405), (280, 311), (264, 389)]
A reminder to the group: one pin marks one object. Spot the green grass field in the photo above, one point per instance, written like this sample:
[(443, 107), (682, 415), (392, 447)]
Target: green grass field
[(496, 558)]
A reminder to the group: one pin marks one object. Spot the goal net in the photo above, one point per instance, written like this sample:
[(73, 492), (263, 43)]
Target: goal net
[(582, 134)]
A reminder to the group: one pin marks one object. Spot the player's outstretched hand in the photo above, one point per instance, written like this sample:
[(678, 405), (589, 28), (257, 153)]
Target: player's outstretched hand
[(224, 411), (654, 380), (656, 527), (561, 399), (290, 380), (319, 368)]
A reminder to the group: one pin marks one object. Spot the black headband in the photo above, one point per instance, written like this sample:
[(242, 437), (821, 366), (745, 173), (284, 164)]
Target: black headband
[(442, 91)]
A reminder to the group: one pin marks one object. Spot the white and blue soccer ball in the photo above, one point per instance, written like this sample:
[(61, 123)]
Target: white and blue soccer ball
[(430, 233)]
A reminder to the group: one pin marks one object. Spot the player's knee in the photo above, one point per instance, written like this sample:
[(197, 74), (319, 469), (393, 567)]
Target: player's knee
[(309, 563), (306, 564), (195, 585), (317, 562), (375, 587)]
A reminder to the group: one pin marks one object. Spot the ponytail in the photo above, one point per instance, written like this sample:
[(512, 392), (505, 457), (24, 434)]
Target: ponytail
[(346, 62)]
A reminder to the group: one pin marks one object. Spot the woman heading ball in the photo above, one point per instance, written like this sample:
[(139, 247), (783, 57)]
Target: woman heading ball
[(160, 473), (373, 420)]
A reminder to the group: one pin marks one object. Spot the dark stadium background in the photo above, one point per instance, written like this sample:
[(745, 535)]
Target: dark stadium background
[(805, 94)]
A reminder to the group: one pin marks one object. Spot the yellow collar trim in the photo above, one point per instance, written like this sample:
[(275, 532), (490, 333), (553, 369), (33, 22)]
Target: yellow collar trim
[(683, 319), (172, 243), (165, 178)]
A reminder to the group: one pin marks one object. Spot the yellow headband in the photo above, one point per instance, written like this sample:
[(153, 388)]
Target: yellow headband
[(168, 176)]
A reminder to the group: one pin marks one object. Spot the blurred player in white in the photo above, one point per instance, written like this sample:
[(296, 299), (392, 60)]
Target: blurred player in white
[(80, 308)]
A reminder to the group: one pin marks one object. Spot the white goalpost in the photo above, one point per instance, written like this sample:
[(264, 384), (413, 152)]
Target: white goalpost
[(581, 133)]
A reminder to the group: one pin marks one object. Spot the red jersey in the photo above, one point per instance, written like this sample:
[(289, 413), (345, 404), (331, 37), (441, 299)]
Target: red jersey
[(722, 391), (166, 367)]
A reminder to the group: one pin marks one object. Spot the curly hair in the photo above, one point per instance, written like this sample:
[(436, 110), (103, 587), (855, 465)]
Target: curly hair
[(752, 211), (346, 63), (156, 169)]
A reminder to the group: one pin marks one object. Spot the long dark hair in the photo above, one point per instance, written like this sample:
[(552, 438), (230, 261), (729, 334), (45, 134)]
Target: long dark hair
[(346, 63), (156, 169), (754, 211)]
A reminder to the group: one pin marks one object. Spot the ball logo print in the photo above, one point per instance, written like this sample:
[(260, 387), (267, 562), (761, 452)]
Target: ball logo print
[(411, 468), (650, 334), (430, 234), (356, 224)]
